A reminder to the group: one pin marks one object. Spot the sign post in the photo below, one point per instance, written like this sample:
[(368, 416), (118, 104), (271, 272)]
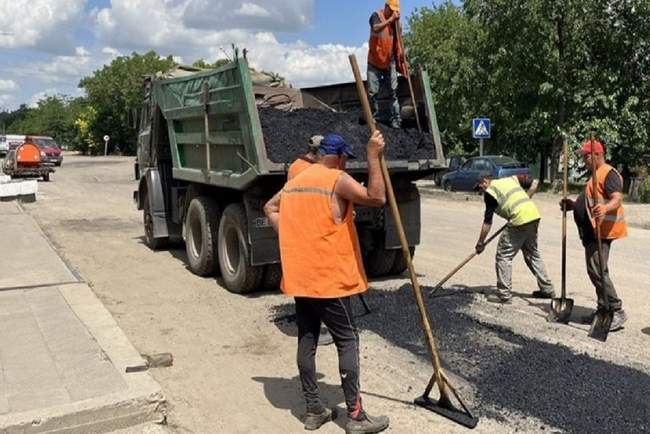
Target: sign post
[(106, 139), (481, 129)]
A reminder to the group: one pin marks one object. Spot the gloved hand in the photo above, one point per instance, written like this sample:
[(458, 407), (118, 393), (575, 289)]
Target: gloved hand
[(479, 248)]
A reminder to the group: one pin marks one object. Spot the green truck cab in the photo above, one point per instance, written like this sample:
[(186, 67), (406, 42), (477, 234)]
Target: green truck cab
[(205, 174)]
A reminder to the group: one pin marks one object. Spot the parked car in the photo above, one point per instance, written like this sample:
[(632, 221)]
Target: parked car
[(14, 141), (453, 163), (466, 176), (50, 148)]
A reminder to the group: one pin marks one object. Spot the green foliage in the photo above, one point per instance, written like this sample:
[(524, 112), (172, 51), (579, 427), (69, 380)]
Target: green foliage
[(644, 191), (539, 68), (203, 64), (115, 89), (53, 116)]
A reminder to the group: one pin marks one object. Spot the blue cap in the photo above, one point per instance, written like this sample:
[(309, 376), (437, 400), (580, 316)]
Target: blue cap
[(333, 144)]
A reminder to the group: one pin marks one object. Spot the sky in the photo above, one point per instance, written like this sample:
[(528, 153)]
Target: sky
[(46, 46)]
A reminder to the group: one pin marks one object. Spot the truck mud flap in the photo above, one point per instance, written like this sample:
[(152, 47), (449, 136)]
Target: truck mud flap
[(263, 239), (154, 191), (408, 201)]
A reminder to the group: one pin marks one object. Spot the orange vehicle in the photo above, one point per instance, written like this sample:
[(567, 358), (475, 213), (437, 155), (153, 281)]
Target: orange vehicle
[(27, 160)]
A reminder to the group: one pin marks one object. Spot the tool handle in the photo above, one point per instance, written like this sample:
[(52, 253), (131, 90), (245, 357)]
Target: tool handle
[(426, 326), (408, 77), (599, 243), (565, 189)]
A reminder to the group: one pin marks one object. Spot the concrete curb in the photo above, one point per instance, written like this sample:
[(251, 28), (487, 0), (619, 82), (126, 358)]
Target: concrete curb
[(140, 402)]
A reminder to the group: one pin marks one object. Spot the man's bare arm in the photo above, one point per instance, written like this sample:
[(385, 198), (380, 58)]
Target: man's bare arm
[(381, 26), (272, 210)]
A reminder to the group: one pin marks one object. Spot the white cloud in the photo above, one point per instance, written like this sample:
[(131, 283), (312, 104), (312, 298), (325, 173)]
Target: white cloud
[(62, 69), (42, 24), (6, 101), (175, 27), (8, 86)]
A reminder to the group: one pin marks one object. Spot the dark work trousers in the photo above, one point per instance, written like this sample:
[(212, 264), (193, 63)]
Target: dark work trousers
[(336, 314), (604, 291)]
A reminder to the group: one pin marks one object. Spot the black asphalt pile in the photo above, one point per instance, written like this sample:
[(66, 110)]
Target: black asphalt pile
[(509, 373), (286, 134)]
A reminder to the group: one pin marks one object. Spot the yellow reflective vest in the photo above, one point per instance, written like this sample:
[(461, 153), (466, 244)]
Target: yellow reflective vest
[(514, 203)]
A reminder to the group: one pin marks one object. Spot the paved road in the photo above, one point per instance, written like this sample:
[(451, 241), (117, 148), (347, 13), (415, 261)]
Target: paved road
[(234, 357)]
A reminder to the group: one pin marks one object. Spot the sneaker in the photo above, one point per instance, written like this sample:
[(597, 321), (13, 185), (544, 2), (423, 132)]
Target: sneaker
[(313, 421), (367, 424), (543, 294), (618, 320), (495, 298)]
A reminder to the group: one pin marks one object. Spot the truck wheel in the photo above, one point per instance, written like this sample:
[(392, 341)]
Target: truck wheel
[(201, 225), (238, 274), (150, 241), (378, 262), (399, 265), (272, 277)]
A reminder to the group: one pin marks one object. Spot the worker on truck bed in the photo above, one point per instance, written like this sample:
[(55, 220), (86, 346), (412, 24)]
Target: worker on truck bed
[(385, 59), (507, 198), (322, 268), (304, 161), (609, 210)]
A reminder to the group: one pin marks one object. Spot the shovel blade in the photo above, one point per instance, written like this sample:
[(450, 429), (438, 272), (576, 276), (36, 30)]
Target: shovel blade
[(561, 309), (600, 326)]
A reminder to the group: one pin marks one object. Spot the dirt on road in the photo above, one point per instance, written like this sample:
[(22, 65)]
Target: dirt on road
[(234, 356)]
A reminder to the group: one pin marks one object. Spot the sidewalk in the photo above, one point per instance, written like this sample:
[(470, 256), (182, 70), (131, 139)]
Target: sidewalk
[(62, 356)]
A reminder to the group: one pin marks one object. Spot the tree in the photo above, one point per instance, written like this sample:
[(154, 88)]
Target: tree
[(204, 65), (114, 90)]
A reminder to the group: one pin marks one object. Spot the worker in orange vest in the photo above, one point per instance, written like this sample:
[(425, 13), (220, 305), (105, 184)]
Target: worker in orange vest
[(385, 59), (322, 268), (609, 213), (304, 161)]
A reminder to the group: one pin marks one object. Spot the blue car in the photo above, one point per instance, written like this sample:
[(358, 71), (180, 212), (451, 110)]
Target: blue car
[(466, 176)]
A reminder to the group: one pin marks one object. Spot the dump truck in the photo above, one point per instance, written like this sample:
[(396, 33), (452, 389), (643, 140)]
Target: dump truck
[(207, 163)]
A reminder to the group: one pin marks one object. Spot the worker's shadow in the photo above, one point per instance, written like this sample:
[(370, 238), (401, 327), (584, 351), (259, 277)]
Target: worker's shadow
[(286, 394)]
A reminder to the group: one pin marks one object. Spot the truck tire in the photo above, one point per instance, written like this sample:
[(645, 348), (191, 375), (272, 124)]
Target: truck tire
[(272, 277), (201, 232), (239, 276), (378, 261), (399, 265), (150, 241)]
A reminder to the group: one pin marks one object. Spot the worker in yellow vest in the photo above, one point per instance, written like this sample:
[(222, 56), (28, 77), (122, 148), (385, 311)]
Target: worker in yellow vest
[(611, 216), (509, 200), (385, 60), (322, 268)]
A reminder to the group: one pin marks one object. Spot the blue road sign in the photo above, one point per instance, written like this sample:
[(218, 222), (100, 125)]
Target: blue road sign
[(481, 128)]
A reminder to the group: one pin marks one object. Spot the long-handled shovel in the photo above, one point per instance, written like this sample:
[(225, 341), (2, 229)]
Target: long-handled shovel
[(408, 76), (470, 257), (444, 404), (603, 318), (561, 307)]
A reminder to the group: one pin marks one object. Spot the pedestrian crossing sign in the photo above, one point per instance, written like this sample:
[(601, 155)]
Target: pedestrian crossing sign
[(481, 128)]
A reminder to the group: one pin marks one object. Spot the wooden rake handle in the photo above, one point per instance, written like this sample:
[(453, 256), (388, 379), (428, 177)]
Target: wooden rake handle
[(426, 326)]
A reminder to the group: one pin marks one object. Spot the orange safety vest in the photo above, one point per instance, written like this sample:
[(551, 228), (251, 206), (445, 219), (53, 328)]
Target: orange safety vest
[(613, 225), (320, 258), (296, 167), (381, 46)]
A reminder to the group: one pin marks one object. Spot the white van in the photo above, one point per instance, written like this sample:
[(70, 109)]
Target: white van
[(14, 140)]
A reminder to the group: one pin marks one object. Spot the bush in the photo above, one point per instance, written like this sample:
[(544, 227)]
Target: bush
[(644, 191)]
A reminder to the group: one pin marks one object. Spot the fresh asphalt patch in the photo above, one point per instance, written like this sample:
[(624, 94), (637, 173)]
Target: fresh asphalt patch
[(507, 374)]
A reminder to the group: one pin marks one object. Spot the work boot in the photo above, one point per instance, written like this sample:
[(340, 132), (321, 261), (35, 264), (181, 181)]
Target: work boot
[(618, 320), (543, 294), (366, 424), (496, 298), (313, 421)]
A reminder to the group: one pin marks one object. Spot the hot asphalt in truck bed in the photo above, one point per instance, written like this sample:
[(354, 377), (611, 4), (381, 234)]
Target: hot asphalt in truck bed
[(286, 134), (509, 373)]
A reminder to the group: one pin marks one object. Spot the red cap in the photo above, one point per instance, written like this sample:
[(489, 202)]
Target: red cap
[(598, 147)]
